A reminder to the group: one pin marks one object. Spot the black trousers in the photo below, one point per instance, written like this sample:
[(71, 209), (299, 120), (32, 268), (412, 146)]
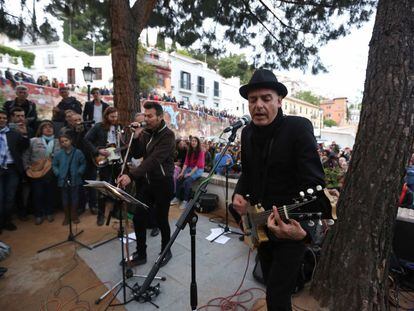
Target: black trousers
[(157, 194), (280, 262)]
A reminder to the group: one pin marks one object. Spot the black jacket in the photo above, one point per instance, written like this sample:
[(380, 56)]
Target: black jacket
[(70, 103), (17, 145), (289, 162), (96, 138), (158, 149), (88, 110)]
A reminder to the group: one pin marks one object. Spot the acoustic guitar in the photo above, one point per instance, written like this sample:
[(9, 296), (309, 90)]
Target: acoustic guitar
[(255, 220)]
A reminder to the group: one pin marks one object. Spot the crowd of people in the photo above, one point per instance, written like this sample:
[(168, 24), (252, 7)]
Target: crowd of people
[(19, 77), (200, 109)]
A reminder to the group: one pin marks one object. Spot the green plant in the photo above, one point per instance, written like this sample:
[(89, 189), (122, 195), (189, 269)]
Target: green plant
[(332, 177), (27, 57), (329, 123)]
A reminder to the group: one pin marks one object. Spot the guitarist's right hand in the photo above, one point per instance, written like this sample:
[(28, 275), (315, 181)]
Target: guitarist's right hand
[(240, 204), (104, 152)]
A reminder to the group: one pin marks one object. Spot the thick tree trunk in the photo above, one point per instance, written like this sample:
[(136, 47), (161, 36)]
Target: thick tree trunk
[(353, 271), (126, 26)]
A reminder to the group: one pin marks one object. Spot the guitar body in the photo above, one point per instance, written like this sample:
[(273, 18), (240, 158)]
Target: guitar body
[(254, 233), (255, 220), (114, 156)]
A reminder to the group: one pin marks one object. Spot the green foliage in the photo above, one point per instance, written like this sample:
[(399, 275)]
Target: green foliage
[(235, 66), (83, 23), (332, 177), (145, 72), (160, 42), (16, 25), (27, 57), (309, 97), (329, 122), (281, 33)]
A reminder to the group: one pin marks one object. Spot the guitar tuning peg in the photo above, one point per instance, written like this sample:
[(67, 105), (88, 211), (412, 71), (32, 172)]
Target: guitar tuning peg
[(320, 222), (310, 191), (330, 222), (318, 188), (302, 194), (311, 223)]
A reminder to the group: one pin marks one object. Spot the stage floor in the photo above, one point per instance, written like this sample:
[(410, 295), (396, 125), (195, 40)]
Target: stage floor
[(220, 268)]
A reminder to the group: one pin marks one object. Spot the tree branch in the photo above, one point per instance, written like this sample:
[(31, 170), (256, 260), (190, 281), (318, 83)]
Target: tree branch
[(261, 23), (141, 12), (311, 3)]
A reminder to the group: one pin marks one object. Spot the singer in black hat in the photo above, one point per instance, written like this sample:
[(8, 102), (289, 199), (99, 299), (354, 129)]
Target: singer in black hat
[(279, 159)]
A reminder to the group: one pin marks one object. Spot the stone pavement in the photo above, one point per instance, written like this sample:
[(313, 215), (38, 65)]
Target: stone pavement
[(220, 268)]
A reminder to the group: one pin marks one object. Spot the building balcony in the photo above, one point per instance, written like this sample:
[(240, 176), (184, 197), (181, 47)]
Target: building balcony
[(157, 62)]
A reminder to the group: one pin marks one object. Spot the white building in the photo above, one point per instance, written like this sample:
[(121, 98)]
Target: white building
[(61, 61), (193, 82)]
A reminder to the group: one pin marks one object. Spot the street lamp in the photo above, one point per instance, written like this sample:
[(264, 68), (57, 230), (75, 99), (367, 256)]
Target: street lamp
[(88, 75)]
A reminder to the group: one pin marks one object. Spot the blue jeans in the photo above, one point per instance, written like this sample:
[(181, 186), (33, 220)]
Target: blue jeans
[(184, 185), (70, 196), (43, 195), (9, 181)]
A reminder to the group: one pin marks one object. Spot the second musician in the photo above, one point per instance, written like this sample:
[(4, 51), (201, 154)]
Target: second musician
[(156, 144), (101, 135)]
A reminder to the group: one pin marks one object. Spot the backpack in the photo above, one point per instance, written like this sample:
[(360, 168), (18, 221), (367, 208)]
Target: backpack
[(409, 178)]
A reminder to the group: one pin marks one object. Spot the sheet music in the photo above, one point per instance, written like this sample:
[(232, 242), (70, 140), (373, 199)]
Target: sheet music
[(113, 192)]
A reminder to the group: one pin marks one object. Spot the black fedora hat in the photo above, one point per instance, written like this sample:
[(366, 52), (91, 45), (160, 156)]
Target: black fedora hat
[(263, 78)]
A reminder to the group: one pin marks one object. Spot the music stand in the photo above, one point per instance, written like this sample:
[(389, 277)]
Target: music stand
[(119, 195)]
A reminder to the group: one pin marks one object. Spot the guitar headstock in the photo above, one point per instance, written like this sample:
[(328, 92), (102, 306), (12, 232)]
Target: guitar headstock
[(300, 210)]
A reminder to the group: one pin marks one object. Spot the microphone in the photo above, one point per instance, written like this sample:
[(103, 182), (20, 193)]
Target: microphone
[(140, 124), (244, 120)]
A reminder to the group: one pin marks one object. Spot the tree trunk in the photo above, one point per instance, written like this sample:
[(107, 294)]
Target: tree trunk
[(353, 271), (126, 26)]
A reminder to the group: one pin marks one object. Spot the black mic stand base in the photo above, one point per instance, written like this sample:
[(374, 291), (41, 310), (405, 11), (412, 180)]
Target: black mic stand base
[(71, 238)]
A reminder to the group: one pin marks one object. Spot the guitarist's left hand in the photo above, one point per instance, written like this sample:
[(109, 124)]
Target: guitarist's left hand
[(290, 231)]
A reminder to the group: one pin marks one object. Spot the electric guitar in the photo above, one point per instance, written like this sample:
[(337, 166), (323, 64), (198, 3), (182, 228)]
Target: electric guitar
[(114, 156), (255, 220)]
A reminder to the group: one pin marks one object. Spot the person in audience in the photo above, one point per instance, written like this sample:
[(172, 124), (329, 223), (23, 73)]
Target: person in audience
[(77, 130), (12, 145), (225, 163), (94, 109), (10, 77), (38, 164), (17, 118), (67, 102), (68, 166), (192, 170), (23, 191), (21, 101)]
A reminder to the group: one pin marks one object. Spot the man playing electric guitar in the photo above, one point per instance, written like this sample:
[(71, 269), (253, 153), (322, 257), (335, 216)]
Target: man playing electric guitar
[(100, 135), (279, 159)]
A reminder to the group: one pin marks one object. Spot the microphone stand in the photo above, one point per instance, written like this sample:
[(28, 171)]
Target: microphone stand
[(187, 217), (71, 237), (226, 227)]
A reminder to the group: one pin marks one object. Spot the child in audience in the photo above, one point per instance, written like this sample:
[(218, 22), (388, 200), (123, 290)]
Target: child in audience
[(69, 164)]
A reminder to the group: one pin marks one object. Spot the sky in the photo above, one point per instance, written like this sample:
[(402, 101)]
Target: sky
[(345, 59)]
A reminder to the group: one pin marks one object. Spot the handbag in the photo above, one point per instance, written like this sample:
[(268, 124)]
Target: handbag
[(39, 168)]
